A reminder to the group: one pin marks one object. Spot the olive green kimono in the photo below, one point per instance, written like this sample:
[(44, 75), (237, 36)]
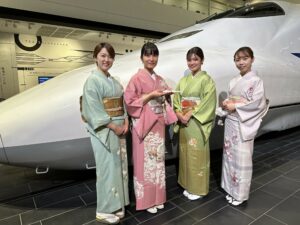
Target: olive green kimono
[(194, 158)]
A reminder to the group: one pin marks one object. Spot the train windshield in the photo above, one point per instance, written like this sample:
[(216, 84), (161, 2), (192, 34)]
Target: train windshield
[(182, 35), (262, 9)]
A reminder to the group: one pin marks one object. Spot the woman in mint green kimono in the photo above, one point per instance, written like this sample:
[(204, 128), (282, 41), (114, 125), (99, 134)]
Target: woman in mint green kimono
[(107, 123), (195, 108)]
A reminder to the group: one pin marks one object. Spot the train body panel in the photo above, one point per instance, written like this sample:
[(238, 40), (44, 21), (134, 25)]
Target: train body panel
[(42, 127)]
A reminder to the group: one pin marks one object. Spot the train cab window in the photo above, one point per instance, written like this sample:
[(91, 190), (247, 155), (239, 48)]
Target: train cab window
[(254, 10), (179, 36), (258, 10)]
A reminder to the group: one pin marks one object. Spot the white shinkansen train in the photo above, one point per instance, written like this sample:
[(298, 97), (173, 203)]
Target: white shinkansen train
[(42, 127)]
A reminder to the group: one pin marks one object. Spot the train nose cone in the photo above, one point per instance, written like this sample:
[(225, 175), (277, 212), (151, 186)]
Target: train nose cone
[(3, 158)]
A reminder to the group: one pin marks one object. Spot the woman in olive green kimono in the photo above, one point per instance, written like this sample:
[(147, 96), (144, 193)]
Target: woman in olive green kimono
[(195, 108), (107, 123)]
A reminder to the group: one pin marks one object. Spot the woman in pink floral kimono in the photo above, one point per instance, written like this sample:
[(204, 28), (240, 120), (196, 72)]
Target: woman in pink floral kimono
[(146, 104), (245, 106)]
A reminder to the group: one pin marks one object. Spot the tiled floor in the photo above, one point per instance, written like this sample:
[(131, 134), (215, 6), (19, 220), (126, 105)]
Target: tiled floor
[(68, 197)]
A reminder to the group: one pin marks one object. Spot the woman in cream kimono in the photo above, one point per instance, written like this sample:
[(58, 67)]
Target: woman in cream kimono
[(107, 123), (150, 112), (195, 106), (245, 106)]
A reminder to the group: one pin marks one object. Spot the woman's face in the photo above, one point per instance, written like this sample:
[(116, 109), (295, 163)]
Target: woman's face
[(194, 63), (150, 61), (104, 60), (243, 62)]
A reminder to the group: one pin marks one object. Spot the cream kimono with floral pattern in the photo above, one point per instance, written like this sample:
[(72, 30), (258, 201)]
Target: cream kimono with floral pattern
[(241, 127)]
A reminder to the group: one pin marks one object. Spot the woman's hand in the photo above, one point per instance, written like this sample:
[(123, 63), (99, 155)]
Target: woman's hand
[(188, 115), (151, 95), (184, 119), (126, 126), (116, 128), (156, 93), (119, 130), (228, 105)]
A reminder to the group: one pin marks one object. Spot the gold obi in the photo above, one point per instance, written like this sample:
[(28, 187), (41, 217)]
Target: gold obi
[(189, 103), (114, 106)]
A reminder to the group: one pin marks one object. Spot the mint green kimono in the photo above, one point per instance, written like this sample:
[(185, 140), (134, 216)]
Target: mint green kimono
[(194, 158), (109, 150)]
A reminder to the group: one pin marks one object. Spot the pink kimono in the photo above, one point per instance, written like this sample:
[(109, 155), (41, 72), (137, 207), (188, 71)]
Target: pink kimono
[(148, 137)]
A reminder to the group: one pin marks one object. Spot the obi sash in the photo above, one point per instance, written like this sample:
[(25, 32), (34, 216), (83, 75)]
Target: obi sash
[(114, 106), (189, 103), (157, 105)]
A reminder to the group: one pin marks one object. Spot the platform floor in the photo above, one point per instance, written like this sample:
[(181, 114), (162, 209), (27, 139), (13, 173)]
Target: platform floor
[(68, 197)]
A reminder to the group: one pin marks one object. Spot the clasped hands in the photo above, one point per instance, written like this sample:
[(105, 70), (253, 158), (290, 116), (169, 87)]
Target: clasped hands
[(228, 105), (119, 129), (184, 118)]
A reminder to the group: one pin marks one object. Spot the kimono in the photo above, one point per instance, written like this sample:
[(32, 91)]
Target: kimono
[(194, 157), (109, 149), (241, 126), (148, 138)]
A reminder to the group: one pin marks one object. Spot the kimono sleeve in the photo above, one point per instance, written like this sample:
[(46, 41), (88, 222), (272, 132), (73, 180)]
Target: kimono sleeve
[(133, 98), (92, 108), (256, 102), (205, 111), (177, 99)]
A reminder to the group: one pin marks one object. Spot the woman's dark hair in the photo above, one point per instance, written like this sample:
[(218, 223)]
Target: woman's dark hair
[(195, 50), (246, 50), (105, 45), (149, 48)]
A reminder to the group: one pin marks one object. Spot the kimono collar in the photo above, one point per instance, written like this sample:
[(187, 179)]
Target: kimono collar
[(250, 73), (100, 73), (199, 73), (146, 72), (147, 75)]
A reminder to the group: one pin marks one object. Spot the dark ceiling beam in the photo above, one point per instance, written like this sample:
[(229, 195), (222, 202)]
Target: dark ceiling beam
[(29, 16)]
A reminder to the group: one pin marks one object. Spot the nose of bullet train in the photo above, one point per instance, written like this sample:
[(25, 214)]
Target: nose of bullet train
[(47, 113)]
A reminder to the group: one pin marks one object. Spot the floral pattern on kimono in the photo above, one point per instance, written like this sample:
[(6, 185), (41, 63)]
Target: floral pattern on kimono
[(194, 158), (148, 137), (241, 126), (154, 157)]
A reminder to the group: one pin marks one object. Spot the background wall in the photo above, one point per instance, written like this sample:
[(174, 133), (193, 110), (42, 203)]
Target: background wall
[(8, 67), (51, 57)]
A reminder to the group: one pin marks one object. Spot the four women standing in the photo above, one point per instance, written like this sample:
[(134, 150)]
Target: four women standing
[(146, 103)]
